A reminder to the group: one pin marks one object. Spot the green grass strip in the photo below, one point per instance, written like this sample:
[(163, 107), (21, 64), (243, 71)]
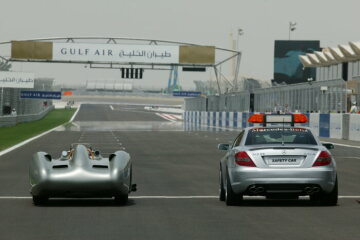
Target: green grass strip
[(10, 136)]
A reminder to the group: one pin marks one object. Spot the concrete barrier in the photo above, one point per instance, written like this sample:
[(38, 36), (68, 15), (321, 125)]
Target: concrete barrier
[(354, 127), (333, 125)]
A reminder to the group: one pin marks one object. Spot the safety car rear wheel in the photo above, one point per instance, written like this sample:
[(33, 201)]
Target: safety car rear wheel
[(231, 198), (327, 199)]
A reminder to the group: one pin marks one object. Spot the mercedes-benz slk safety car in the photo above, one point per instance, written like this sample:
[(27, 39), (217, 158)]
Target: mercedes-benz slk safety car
[(278, 160)]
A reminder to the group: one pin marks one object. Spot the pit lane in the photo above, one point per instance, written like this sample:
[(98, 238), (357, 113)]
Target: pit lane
[(168, 161)]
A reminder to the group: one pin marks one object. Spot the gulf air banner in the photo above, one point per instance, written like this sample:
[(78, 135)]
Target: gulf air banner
[(40, 94), (115, 53), (112, 53)]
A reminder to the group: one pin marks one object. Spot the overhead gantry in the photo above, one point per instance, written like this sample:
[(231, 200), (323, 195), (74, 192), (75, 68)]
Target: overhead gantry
[(122, 52)]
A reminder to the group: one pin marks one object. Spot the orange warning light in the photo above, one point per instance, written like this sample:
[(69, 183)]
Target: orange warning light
[(257, 118), (300, 118)]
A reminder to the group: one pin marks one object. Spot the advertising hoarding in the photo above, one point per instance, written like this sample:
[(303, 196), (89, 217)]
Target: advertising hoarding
[(287, 66), (186, 94), (40, 94), (115, 53), (112, 53)]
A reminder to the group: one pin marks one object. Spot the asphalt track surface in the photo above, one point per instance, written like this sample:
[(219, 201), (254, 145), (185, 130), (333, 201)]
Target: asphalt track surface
[(177, 176)]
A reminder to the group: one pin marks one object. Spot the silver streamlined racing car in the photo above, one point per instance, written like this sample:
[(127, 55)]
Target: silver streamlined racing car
[(279, 162), (81, 172)]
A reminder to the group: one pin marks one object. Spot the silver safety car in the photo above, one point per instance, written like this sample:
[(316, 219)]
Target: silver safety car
[(278, 160), (81, 172)]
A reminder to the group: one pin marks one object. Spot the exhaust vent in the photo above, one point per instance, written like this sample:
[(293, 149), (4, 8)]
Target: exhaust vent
[(60, 166), (100, 166)]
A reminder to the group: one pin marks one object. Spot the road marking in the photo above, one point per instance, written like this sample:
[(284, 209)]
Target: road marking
[(169, 117), (76, 112), (175, 197), (111, 107)]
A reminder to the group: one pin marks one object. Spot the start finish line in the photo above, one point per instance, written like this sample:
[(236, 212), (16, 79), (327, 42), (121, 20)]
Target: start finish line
[(40, 94)]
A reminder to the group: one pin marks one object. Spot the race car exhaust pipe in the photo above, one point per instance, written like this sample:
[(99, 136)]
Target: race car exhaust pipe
[(308, 190), (252, 189), (255, 190), (311, 190), (260, 189)]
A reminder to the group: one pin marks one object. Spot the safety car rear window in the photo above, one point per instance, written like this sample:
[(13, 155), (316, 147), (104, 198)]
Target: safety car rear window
[(279, 135)]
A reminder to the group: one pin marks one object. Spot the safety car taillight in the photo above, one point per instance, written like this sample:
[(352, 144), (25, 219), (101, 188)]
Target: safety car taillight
[(323, 159), (243, 159)]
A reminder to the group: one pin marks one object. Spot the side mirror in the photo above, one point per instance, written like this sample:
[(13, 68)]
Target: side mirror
[(223, 146), (328, 145)]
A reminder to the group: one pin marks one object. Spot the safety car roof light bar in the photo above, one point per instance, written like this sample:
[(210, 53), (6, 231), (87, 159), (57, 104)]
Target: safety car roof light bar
[(264, 119)]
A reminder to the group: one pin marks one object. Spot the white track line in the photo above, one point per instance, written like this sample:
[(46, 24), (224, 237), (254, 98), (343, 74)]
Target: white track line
[(170, 116), (76, 112), (174, 197), (33, 138), (177, 116), (165, 117), (111, 107)]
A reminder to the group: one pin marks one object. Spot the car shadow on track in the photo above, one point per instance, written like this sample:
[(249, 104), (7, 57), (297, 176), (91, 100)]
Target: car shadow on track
[(85, 203), (279, 203)]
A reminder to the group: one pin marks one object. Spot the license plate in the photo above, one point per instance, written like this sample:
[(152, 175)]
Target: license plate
[(287, 160)]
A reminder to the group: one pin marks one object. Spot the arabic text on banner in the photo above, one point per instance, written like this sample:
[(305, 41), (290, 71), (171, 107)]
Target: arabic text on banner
[(16, 80)]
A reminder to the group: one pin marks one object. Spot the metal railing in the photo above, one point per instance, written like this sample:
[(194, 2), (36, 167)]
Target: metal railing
[(321, 96)]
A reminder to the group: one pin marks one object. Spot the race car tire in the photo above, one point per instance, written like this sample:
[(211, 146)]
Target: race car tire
[(222, 193), (121, 199), (327, 199), (39, 200), (231, 198)]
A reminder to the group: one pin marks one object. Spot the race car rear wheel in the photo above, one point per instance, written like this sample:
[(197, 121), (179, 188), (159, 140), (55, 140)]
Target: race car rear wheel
[(39, 200), (231, 198), (122, 199)]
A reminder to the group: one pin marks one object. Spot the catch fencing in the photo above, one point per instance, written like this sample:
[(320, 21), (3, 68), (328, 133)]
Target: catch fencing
[(239, 101), (320, 97)]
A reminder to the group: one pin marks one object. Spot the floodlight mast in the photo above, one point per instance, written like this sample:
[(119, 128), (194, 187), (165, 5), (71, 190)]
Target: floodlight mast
[(118, 65)]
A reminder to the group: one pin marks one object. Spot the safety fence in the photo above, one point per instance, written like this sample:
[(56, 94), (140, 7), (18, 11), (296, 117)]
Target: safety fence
[(313, 97), (10, 99), (327, 125), (10, 120)]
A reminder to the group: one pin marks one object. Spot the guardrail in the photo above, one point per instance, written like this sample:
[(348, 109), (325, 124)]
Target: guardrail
[(328, 125), (8, 120)]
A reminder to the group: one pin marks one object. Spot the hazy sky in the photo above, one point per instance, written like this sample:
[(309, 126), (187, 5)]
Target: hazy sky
[(207, 22)]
